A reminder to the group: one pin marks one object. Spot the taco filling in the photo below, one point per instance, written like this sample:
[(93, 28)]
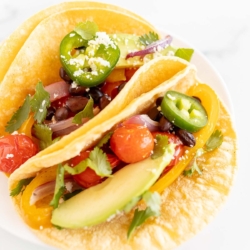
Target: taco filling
[(148, 144), (95, 68)]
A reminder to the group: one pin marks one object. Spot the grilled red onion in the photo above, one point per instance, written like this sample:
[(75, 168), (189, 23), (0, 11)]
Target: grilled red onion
[(143, 120), (152, 48), (49, 188), (66, 126), (57, 90)]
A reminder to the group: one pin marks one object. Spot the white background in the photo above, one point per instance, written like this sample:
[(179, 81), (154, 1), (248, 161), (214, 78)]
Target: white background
[(220, 29)]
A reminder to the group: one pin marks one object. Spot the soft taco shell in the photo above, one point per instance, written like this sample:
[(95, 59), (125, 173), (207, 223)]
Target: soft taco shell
[(38, 58), (149, 76), (11, 46), (187, 205)]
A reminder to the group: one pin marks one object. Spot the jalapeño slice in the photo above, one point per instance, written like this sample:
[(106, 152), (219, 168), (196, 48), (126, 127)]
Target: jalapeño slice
[(184, 111), (88, 62)]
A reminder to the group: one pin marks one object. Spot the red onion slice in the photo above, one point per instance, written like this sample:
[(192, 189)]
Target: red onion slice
[(144, 120), (49, 188), (57, 90), (152, 48), (66, 126)]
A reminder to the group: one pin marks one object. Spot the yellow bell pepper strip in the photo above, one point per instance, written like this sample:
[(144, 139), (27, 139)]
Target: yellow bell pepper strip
[(211, 103), (27, 126), (37, 217)]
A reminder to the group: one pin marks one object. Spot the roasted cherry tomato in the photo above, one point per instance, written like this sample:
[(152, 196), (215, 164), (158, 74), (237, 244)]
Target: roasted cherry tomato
[(179, 148), (132, 142), (184, 111), (14, 151), (89, 178), (111, 88)]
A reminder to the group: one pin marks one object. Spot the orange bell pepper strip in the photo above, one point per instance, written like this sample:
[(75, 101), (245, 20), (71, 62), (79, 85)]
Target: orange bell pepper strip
[(37, 217), (211, 103)]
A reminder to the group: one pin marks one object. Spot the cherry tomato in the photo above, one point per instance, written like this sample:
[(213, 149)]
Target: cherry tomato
[(111, 88), (130, 72), (179, 148), (132, 142), (14, 151), (89, 178)]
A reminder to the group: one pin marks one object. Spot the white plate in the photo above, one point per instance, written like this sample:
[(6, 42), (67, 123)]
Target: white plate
[(9, 219)]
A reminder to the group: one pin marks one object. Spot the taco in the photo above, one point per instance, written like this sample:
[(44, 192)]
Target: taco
[(121, 207), (95, 63)]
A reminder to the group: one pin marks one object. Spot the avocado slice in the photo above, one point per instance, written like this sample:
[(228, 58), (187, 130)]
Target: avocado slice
[(96, 204), (128, 43)]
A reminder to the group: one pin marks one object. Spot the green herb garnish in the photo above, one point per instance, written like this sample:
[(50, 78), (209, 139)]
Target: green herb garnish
[(97, 161), (44, 134), (60, 187), (19, 117), (20, 186), (87, 30), (153, 201), (40, 102), (214, 141), (184, 53), (87, 112), (148, 38)]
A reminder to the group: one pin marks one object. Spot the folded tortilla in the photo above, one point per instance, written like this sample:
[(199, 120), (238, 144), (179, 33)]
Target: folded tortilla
[(36, 57), (187, 205)]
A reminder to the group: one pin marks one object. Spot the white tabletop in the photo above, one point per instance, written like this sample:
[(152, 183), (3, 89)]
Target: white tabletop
[(220, 29)]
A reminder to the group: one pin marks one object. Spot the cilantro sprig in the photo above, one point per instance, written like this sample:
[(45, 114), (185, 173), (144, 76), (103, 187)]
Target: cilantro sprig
[(148, 38), (153, 201), (97, 161), (214, 141), (20, 186), (37, 104)]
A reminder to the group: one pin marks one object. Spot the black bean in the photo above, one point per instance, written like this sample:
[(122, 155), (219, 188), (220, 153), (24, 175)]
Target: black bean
[(104, 101), (61, 114), (95, 93), (64, 75), (50, 113), (187, 138), (158, 101), (166, 125), (75, 89), (76, 103), (154, 113)]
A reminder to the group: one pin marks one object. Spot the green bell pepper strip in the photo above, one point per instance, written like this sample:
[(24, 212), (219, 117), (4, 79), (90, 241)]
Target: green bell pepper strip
[(88, 62), (184, 111)]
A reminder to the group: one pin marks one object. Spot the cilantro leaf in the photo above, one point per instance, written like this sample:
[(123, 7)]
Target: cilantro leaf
[(214, 141), (44, 134), (20, 186), (87, 30), (148, 38), (87, 112), (160, 146), (104, 139), (184, 53), (97, 161), (40, 102), (59, 187), (153, 209), (19, 117)]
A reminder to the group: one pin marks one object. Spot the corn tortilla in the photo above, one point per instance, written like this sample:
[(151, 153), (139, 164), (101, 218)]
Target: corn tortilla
[(11, 46), (188, 204)]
